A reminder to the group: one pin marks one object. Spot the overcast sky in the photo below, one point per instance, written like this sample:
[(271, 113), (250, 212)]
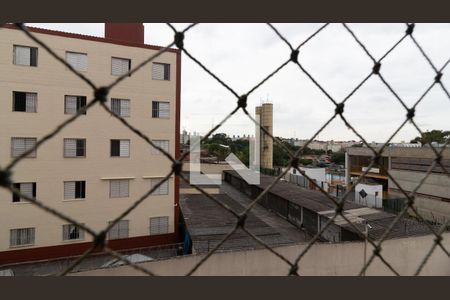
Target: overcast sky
[(243, 54)]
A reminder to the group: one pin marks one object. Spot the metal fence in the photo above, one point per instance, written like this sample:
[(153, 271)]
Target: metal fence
[(100, 95)]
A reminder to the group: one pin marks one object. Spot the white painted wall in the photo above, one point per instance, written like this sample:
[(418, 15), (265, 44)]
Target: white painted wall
[(342, 259), (374, 195)]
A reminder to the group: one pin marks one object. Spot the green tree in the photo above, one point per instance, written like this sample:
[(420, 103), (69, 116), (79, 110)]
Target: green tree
[(438, 136), (338, 158)]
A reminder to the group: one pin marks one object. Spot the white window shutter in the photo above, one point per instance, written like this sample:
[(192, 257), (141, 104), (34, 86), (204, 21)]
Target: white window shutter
[(18, 146), (124, 148), (69, 190), (115, 106), (123, 229), (158, 71), (30, 102), (119, 66), (125, 108), (114, 188), (29, 144), (71, 105), (22, 55), (27, 190), (82, 62), (124, 188), (70, 147), (164, 108)]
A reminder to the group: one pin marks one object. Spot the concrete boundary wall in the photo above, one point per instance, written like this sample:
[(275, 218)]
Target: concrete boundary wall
[(405, 255)]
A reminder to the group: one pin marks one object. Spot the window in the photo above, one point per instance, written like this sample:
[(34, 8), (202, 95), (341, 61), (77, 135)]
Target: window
[(28, 189), (160, 71), (119, 188), (159, 225), (164, 144), (25, 56), (73, 104), (120, 66), (160, 109), (74, 147), (78, 61), (119, 230), (23, 101), (72, 232), (163, 189), (21, 237), (20, 145), (120, 148), (120, 107), (74, 189)]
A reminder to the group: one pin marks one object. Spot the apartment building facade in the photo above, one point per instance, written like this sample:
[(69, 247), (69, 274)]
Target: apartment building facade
[(95, 168), (408, 166)]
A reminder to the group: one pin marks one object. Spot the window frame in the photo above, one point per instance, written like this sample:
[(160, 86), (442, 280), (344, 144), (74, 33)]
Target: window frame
[(155, 151), (84, 148), (166, 67), (31, 155), (36, 55), (121, 58), (80, 233), (78, 104), (80, 53), (158, 110), (80, 184), (159, 225), (120, 192), (120, 140), (121, 100), (33, 235), (118, 229), (25, 103), (17, 185)]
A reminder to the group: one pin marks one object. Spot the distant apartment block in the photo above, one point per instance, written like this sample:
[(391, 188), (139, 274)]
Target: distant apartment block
[(95, 168), (407, 165)]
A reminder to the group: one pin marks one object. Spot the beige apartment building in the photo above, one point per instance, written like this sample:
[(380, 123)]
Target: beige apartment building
[(95, 168)]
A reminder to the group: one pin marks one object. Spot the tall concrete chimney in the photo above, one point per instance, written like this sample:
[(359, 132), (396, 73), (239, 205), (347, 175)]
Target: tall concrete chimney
[(125, 32), (265, 115)]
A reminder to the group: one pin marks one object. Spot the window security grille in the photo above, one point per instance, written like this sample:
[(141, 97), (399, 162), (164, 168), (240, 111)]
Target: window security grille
[(120, 148), (120, 107), (74, 189), (26, 102), (74, 147), (119, 188), (160, 109), (159, 225), (119, 230), (28, 189), (120, 66), (160, 71), (72, 104), (78, 61), (25, 56), (72, 232), (163, 189), (21, 237), (21, 145), (164, 144)]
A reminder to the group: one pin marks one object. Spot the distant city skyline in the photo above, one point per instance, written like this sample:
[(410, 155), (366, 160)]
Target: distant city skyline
[(243, 54)]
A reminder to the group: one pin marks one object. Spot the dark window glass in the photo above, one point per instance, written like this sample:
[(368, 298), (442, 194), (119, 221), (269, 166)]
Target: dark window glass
[(33, 57), (155, 109), (115, 147), (80, 189), (16, 198), (19, 101), (166, 72), (81, 146)]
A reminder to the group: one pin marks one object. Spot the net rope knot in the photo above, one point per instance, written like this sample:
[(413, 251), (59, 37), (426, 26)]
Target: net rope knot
[(294, 56), (5, 178), (410, 29), (339, 110), (101, 94), (242, 102), (376, 68), (177, 167), (179, 40), (411, 113)]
